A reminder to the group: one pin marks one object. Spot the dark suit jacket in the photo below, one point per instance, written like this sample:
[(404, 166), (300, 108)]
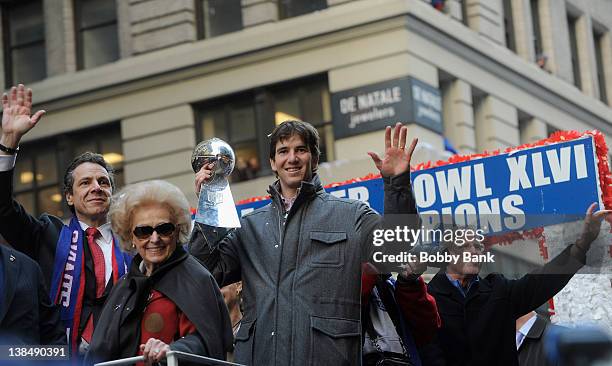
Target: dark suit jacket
[(480, 329), (26, 313), (37, 238), (531, 352)]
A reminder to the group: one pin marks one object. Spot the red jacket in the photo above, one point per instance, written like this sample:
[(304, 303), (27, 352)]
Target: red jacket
[(418, 307)]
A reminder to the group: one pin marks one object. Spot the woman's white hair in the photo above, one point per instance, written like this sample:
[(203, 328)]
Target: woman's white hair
[(131, 197)]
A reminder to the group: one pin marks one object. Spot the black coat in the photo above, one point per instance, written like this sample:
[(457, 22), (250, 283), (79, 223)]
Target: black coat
[(26, 313), (480, 329), (36, 237), (186, 283), (531, 352)]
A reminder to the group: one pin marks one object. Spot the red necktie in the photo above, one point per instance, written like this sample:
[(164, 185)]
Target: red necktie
[(98, 260), (100, 271)]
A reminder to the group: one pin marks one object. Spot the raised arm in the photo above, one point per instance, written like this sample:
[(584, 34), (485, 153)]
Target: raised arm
[(394, 167), (216, 248), (20, 229), (537, 287)]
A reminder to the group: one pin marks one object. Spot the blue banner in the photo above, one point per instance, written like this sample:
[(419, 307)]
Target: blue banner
[(521, 190)]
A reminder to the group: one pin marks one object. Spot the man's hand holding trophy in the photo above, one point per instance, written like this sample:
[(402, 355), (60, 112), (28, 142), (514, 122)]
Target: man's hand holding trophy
[(213, 161)]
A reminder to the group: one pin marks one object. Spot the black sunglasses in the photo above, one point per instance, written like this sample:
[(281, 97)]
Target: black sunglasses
[(144, 232)]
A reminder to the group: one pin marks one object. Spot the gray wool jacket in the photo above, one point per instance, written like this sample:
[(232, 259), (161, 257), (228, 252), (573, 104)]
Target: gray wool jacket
[(301, 273)]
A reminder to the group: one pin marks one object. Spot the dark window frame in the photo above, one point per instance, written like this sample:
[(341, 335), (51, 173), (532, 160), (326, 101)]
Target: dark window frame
[(464, 13), (226, 103), (201, 21), (8, 47), (78, 32), (36, 188), (536, 27), (509, 25), (598, 39), (282, 12), (572, 22)]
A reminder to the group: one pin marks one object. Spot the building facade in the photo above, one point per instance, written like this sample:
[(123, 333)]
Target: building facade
[(143, 81)]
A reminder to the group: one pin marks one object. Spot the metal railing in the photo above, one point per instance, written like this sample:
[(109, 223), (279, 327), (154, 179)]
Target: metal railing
[(172, 359)]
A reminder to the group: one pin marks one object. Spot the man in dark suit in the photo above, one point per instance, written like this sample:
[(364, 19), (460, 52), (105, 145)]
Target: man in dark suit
[(478, 314), (530, 331), (80, 261), (26, 313)]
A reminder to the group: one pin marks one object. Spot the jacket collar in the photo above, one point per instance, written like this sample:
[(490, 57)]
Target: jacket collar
[(175, 258), (444, 287), (537, 329), (308, 190)]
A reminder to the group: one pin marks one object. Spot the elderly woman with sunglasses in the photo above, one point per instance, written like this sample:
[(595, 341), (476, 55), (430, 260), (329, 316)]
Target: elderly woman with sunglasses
[(167, 300)]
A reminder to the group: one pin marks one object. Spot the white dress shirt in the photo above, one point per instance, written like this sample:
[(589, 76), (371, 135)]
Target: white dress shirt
[(7, 162), (522, 332)]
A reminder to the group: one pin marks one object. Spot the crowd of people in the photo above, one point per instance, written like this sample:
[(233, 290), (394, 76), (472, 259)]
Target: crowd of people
[(127, 275)]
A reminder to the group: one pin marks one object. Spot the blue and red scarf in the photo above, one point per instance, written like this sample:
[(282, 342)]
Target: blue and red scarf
[(68, 282)]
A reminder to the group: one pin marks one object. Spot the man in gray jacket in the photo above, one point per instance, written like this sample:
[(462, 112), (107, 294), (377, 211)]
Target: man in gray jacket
[(299, 258)]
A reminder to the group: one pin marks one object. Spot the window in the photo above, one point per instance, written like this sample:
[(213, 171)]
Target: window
[(571, 22), (24, 42), (96, 32), (105, 140), (37, 179), (217, 17), (294, 8), (234, 122), (308, 102), (509, 25), (537, 31), (245, 120), (464, 13), (601, 78), (40, 167)]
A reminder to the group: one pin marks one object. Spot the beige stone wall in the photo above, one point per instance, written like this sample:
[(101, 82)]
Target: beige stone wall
[(486, 18), (157, 24), (523, 29), (533, 130), (158, 144), (256, 12), (459, 116), (496, 124), (59, 36)]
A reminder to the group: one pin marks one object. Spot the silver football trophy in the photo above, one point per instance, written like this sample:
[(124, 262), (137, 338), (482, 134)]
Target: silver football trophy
[(216, 205)]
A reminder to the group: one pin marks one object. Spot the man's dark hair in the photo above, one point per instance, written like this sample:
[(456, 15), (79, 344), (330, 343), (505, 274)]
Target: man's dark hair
[(86, 157), (303, 129)]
